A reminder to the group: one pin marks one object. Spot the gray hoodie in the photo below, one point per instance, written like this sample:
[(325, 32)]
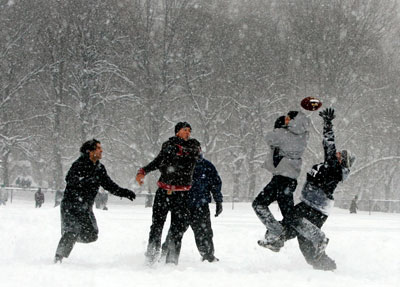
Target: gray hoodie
[(291, 142)]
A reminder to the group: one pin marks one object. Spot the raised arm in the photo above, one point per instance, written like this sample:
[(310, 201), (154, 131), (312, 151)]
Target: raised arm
[(329, 137)]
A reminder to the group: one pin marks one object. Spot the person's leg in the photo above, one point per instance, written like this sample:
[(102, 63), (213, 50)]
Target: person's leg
[(160, 212), (261, 203), (65, 245), (179, 224), (201, 224), (69, 232), (286, 189), (89, 231)]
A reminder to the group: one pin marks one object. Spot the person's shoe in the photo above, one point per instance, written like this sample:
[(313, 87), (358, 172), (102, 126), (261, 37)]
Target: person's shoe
[(325, 263), (209, 258), (58, 259), (274, 246)]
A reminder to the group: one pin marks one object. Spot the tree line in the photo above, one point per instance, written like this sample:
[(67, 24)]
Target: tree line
[(125, 71)]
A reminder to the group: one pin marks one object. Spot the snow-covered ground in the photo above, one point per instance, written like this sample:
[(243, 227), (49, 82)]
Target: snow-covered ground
[(365, 247)]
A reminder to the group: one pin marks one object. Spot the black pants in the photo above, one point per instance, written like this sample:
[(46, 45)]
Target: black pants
[(78, 224), (164, 203), (317, 218), (280, 189), (200, 222)]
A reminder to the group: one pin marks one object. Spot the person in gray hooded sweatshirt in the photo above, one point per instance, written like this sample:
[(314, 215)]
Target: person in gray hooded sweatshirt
[(287, 141)]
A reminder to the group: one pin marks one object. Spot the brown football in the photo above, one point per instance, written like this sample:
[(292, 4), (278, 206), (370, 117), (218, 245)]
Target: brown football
[(311, 103)]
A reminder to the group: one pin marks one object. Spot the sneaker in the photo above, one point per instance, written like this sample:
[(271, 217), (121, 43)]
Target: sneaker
[(209, 258), (274, 246), (325, 263), (58, 259)]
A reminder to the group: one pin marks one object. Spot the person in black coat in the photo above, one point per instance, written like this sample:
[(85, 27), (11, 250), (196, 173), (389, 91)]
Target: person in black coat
[(176, 162), (206, 183), (86, 175)]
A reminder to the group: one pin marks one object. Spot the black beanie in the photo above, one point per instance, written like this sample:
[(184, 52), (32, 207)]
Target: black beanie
[(181, 125), (280, 122), (292, 114)]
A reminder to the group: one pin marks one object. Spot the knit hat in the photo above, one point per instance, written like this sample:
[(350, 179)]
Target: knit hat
[(347, 158), (280, 122), (292, 114), (181, 125)]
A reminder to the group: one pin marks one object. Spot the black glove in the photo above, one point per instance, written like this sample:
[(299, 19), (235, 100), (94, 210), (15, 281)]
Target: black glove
[(328, 114), (130, 194), (218, 209)]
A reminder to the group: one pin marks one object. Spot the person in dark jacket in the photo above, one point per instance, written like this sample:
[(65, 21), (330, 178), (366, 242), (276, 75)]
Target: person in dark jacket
[(287, 142), (206, 183), (176, 162), (86, 175), (317, 199), (353, 205), (39, 198)]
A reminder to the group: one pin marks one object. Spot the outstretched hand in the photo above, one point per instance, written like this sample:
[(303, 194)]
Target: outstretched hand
[(130, 195), (328, 114)]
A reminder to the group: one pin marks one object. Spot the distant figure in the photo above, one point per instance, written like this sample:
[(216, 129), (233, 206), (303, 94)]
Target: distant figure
[(149, 200), (39, 198), (353, 205), (3, 195), (101, 199), (58, 197)]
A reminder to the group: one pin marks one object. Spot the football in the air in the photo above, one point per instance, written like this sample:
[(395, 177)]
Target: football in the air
[(311, 104)]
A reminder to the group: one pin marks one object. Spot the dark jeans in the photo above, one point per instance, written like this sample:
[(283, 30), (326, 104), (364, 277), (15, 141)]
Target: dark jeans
[(317, 218), (164, 203), (280, 189), (78, 224), (200, 222)]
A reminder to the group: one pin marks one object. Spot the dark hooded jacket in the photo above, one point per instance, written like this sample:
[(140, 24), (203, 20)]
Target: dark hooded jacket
[(323, 178), (206, 182), (176, 162), (84, 179)]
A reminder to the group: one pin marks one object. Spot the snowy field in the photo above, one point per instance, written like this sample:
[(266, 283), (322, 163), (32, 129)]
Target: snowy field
[(365, 247)]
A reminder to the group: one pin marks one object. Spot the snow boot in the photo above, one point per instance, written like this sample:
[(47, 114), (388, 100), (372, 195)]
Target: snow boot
[(325, 263), (273, 242), (152, 255), (271, 245)]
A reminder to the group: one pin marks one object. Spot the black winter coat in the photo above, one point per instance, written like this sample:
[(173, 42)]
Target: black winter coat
[(176, 162), (323, 178), (84, 179), (206, 182)]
